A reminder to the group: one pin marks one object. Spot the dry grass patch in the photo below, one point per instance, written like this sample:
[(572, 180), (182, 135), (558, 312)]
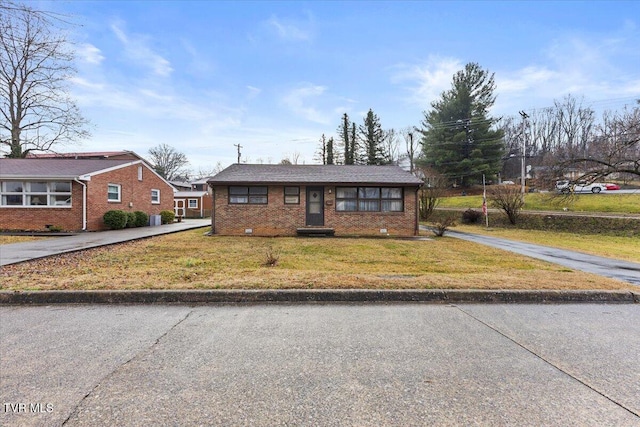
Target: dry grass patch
[(6, 240), (189, 260)]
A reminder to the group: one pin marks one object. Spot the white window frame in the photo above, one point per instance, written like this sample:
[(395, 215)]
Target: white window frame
[(195, 204), (155, 191), (119, 193), (140, 173), (46, 195)]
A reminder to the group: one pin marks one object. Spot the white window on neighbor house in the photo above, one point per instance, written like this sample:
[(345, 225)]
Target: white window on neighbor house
[(193, 203), (139, 173), (155, 197), (113, 192), (35, 193)]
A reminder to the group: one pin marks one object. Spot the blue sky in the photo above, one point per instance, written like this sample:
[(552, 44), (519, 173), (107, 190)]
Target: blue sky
[(275, 76)]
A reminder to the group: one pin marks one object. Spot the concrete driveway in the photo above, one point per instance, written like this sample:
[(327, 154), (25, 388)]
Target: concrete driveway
[(325, 365), (19, 252), (607, 267)]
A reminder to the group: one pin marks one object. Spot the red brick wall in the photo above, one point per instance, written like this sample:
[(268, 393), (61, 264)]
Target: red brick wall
[(135, 196), (278, 219), (36, 218)]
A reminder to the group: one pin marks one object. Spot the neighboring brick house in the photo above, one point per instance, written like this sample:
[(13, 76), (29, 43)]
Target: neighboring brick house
[(74, 194), (285, 200)]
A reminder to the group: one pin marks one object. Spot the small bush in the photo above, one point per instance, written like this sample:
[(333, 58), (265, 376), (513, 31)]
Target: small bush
[(271, 258), (167, 217), (442, 226), (471, 216), (55, 228), (115, 220), (131, 220), (142, 219)]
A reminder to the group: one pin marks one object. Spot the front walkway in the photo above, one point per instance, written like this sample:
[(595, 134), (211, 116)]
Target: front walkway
[(25, 251)]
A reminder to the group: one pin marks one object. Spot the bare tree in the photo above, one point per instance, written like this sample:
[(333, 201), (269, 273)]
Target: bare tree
[(507, 198), (431, 194), (389, 147), (202, 172), (291, 159), (168, 162), (412, 146), (614, 150), (37, 112)]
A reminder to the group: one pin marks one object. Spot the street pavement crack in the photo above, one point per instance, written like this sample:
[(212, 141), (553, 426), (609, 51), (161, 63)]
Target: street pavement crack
[(550, 363), (112, 373)]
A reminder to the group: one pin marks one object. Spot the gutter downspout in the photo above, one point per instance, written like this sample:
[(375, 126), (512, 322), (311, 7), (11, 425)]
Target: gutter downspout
[(84, 203), (213, 210), (416, 231)]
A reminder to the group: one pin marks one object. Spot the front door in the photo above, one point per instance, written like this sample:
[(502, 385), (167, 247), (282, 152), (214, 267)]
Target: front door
[(315, 206)]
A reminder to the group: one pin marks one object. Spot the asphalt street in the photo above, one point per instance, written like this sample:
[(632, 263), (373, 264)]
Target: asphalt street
[(325, 365)]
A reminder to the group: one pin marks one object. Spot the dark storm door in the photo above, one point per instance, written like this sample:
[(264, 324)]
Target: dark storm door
[(315, 206)]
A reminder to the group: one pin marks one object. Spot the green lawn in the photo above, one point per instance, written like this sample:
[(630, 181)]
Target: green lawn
[(610, 203)]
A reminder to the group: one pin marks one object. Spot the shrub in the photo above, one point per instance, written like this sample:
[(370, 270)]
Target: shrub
[(271, 257), (131, 220), (442, 226), (142, 219), (471, 216), (167, 217), (115, 220)]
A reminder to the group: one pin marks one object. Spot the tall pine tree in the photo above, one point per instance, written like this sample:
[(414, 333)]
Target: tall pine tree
[(457, 133), (347, 134), (373, 137)]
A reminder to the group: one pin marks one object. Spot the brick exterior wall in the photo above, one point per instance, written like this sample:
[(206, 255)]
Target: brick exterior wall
[(278, 219), (135, 196)]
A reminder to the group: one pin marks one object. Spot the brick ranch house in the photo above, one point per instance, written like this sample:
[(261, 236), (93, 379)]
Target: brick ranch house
[(285, 200), (74, 194)]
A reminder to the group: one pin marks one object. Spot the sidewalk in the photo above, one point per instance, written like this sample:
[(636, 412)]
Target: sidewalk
[(19, 252)]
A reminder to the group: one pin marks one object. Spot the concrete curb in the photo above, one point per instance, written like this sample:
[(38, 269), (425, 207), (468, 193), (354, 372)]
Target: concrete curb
[(302, 296)]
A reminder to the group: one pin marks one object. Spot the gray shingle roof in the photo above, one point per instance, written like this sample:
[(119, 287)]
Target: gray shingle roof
[(314, 174), (54, 168)]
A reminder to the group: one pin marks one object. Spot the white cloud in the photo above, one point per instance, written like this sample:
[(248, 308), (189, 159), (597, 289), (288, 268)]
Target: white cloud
[(89, 53), (583, 65), (297, 100), (137, 49), (426, 81), (288, 30), (253, 91)]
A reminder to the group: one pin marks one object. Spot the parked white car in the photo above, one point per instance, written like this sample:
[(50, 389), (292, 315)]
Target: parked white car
[(565, 186)]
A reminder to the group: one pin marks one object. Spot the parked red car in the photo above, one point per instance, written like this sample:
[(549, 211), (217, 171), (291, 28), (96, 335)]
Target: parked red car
[(612, 186)]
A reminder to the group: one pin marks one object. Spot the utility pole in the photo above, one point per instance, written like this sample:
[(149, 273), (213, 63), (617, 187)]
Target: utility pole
[(523, 171), (238, 146)]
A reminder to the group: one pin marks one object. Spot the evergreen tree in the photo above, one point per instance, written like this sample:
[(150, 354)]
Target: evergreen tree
[(347, 133), (329, 159), (373, 137), (457, 133), (321, 154)]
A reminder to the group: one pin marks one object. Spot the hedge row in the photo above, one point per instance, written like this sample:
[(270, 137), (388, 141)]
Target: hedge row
[(579, 224), (117, 219)]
